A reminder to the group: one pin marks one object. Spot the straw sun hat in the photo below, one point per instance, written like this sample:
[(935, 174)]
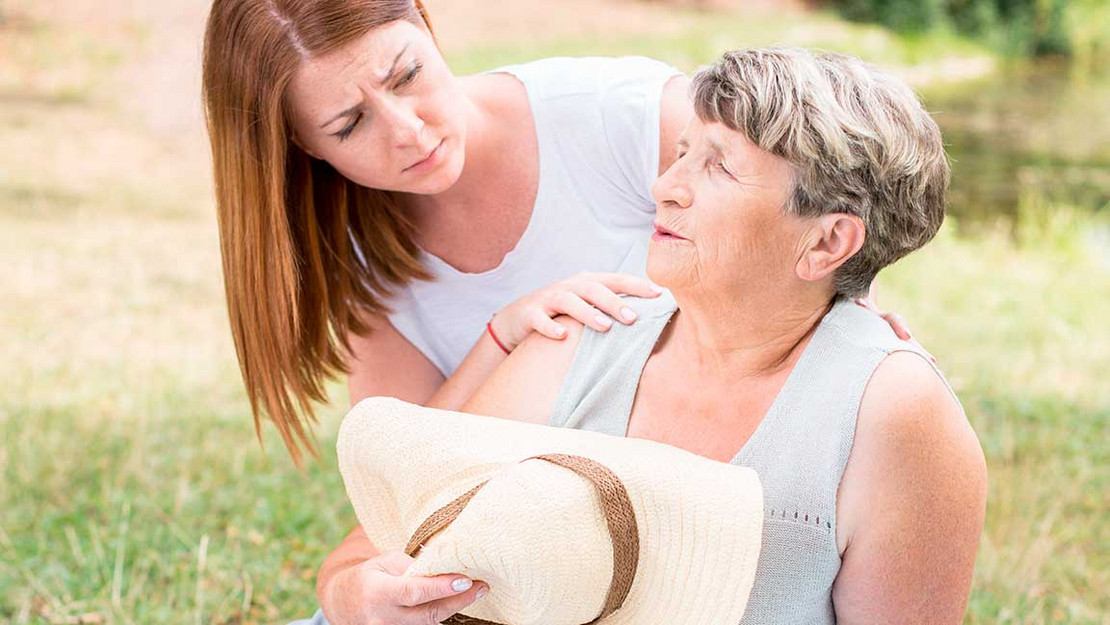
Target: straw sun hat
[(566, 526)]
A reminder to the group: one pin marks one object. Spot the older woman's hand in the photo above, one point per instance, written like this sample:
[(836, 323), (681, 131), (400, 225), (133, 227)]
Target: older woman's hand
[(590, 298), (374, 592)]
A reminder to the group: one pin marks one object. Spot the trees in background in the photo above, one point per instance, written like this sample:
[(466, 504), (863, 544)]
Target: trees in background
[(1018, 27)]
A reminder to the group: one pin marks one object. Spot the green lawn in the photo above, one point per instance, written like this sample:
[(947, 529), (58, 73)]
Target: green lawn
[(133, 489)]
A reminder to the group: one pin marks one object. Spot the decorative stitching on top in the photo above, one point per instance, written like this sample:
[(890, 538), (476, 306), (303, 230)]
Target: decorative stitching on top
[(801, 518)]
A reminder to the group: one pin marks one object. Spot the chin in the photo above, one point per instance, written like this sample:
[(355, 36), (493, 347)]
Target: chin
[(442, 179), (662, 268)]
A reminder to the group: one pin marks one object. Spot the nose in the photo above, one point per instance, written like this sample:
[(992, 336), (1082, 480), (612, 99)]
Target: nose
[(400, 119), (407, 125), (671, 188)]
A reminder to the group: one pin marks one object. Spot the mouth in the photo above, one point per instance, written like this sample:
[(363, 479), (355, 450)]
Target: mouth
[(428, 159), (666, 234)]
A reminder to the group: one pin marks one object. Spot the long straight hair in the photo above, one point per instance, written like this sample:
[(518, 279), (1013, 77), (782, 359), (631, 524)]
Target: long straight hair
[(305, 251)]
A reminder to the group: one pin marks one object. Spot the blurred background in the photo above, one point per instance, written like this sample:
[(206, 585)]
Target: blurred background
[(133, 489)]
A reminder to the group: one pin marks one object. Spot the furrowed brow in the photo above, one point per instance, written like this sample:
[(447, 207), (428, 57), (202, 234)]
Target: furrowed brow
[(392, 68), (346, 113), (385, 79)]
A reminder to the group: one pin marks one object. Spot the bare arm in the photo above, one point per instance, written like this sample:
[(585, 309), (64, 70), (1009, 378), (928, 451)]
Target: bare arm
[(385, 363), (911, 502), (525, 386)]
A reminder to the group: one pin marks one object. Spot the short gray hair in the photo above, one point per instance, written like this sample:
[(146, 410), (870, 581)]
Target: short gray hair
[(858, 139)]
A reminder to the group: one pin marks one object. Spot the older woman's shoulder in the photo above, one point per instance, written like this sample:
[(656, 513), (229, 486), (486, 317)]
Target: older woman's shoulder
[(912, 500), (906, 391), (908, 406), (914, 445)]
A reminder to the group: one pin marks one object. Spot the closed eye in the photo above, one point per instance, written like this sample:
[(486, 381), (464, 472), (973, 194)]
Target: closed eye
[(349, 128), (411, 74)]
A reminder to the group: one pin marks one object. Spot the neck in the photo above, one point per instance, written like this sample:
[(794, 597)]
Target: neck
[(728, 337)]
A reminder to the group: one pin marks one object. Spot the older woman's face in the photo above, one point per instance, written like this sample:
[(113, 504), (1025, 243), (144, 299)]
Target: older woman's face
[(384, 110), (721, 224)]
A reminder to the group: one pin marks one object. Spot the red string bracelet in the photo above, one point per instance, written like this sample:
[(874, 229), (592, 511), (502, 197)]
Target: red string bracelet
[(489, 328)]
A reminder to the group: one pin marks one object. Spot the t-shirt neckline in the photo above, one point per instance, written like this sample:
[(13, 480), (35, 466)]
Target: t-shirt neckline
[(441, 267)]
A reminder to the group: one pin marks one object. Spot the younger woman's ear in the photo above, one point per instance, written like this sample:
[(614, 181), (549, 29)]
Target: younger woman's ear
[(297, 142), (831, 241)]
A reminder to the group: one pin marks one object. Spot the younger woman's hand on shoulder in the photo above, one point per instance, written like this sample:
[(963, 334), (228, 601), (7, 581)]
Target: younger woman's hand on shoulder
[(591, 298), (896, 321)]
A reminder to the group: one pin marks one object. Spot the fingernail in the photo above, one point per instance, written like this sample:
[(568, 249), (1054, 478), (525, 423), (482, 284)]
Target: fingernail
[(657, 288), (628, 314), (462, 584), (603, 321), (482, 592), (560, 331)]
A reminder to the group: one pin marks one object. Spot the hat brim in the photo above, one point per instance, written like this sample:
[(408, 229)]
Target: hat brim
[(699, 520)]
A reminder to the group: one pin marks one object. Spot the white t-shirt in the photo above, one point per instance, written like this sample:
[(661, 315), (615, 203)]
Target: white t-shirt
[(597, 121)]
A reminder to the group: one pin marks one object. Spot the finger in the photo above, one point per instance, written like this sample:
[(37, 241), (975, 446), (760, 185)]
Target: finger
[(394, 562), (607, 301), (545, 325), (629, 285), (899, 325), (868, 304), (569, 303), (418, 590), (441, 610)]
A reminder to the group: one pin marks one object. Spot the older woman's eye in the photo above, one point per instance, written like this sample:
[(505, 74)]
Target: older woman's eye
[(348, 129), (721, 166)]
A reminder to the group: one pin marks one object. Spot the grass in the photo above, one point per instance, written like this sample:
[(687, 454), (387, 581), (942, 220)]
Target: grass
[(132, 488), (1020, 330)]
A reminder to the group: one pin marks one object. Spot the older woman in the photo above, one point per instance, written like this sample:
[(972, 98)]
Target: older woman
[(801, 177)]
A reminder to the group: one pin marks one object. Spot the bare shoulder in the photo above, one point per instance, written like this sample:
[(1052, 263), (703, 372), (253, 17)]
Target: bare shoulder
[(911, 427), (912, 501), (907, 403), (525, 386)]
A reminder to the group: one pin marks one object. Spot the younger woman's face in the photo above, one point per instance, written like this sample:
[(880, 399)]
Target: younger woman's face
[(384, 110)]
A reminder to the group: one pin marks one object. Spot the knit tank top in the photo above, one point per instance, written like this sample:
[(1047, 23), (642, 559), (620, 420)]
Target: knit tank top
[(799, 449)]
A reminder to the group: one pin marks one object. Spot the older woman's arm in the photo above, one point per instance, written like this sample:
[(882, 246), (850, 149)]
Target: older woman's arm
[(911, 502), (524, 387)]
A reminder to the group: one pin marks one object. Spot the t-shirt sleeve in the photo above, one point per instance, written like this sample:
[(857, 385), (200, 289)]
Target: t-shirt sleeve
[(629, 94)]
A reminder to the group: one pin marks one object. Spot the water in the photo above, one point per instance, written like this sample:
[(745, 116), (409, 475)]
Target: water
[(1029, 139)]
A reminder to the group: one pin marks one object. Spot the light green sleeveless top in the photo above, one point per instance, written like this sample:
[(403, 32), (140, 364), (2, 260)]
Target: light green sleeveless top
[(799, 449)]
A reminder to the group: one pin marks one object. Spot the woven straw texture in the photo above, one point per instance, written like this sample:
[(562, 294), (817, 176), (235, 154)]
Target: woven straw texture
[(536, 531)]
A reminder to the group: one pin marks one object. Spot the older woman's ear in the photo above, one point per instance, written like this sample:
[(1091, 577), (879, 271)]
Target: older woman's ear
[(831, 240)]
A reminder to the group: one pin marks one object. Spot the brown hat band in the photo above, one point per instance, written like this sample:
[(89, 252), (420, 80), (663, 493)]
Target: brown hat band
[(619, 516)]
